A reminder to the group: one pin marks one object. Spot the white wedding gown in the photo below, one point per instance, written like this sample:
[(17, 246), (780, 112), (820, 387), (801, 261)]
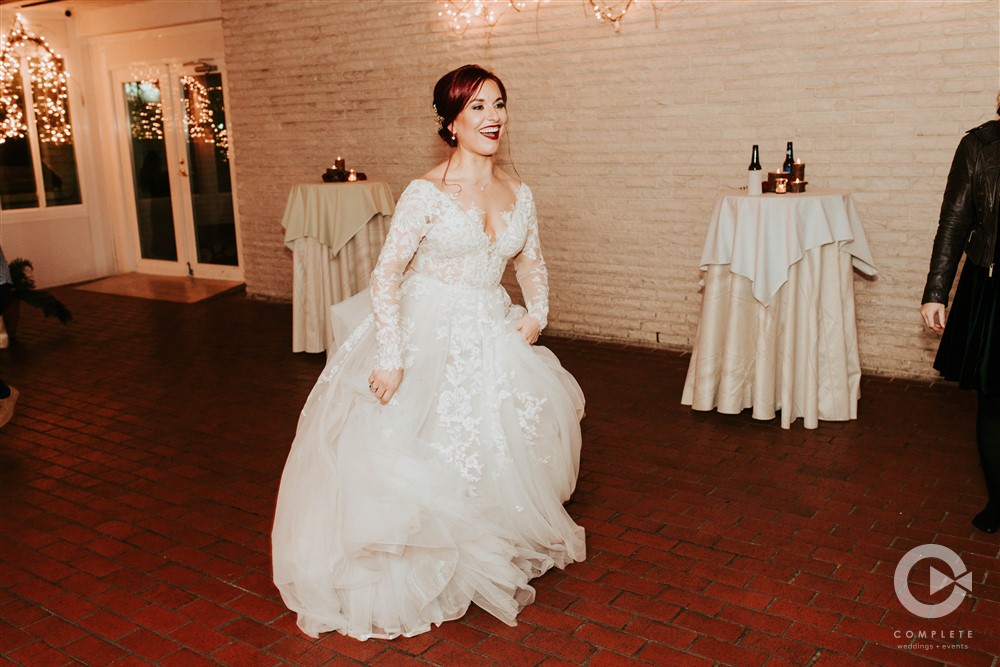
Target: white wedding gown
[(392, 518)]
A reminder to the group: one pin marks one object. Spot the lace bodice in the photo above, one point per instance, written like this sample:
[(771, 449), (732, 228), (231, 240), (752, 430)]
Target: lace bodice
[(432, 235)]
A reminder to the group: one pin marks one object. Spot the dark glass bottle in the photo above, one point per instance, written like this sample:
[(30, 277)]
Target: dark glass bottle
[(754, 173), (789, 159)]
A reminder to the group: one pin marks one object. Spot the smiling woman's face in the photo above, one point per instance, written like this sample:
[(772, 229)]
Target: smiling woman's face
[(482, 122)]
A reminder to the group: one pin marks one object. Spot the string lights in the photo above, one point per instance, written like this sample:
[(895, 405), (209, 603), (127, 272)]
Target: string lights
[(48, 85), (460, 14), (197, 112), (610, 12), (144, 109), (200, 119), (13, 124)]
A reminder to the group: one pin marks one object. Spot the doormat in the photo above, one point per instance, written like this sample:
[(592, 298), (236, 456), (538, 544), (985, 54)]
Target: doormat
[(180, 289)]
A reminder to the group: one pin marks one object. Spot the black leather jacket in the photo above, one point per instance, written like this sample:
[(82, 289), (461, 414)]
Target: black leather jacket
[(969, 211)]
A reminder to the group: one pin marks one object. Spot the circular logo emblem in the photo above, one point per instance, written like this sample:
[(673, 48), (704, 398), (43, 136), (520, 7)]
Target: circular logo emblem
[(960, 581)]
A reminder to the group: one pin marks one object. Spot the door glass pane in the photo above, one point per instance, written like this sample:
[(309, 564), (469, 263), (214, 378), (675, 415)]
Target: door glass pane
[(17, 174), (208, 157), (55, 141), (62, 187), (149, 168)]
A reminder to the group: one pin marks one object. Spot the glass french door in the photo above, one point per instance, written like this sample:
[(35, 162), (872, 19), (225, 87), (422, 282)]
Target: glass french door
[(177, 152)]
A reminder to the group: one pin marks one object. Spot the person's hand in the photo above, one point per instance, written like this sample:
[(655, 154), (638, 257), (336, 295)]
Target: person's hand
[(383, 384), (933, 314), (529, 329)]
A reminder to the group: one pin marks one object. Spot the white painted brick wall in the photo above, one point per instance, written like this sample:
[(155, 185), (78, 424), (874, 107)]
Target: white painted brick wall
[(626, 138)]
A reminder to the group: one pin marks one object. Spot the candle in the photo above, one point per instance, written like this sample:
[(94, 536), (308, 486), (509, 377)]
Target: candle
[(338, 163), (780, 186), (352, 176), (798, 171)]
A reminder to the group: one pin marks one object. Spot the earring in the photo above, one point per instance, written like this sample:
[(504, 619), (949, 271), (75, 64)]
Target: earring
[(453, 138)]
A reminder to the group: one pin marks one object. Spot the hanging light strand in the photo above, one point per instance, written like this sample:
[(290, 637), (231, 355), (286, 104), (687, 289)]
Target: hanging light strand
[(200, 118), (49, 84), (145, 109), (612, 13), (13, 125), (198, 114), (461, 14)]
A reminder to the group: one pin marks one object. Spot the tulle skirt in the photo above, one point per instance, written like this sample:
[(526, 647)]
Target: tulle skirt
[(393, 518), (969, 352)]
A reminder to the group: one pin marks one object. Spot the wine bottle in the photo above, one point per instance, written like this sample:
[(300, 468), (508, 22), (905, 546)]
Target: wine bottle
[(789, 159), (754, 173)]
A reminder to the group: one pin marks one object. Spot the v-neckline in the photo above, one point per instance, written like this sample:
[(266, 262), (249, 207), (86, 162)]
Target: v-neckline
[(507, 214)]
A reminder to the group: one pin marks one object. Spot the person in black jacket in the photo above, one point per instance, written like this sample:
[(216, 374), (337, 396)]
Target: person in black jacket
[(969, 352)]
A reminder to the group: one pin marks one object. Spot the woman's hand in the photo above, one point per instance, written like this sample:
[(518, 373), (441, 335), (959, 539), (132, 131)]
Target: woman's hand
[(383, 384), (529, 329), (933, 314)]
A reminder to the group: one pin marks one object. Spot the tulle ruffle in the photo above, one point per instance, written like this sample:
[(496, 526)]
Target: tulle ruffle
[(394, 518)]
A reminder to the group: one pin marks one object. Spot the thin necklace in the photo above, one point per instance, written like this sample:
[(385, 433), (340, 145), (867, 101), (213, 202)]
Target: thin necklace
[(444, 182)]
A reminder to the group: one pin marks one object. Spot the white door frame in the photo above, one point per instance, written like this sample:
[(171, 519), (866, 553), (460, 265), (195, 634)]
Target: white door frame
[(135, 55)]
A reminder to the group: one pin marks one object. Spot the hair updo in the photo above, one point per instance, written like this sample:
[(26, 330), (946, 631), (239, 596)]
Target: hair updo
[(454, 90)]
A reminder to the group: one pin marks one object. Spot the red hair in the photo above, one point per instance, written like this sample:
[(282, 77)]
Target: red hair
[(454, 90)]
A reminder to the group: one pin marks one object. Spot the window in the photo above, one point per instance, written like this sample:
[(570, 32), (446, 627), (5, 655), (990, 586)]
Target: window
[(37, 157)]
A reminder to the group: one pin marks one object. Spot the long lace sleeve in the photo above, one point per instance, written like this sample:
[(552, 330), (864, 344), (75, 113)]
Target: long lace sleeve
[(530, 270), (408, 226)]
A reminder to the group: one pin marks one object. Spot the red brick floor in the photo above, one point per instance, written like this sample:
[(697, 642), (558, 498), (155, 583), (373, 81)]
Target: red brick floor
[(139, 475)]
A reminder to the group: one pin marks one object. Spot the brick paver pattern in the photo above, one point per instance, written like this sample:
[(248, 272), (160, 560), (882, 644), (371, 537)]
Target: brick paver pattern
[(139, 476)]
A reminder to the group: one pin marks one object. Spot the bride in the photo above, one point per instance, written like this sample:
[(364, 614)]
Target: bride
[(437, 479)]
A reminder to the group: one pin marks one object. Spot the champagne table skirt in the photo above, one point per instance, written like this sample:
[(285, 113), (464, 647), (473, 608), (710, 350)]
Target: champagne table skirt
[(322, 278), (798, 355)]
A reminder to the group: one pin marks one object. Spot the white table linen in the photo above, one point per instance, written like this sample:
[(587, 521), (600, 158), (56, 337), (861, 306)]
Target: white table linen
[(777, 328), (762, 236), (335, 232)]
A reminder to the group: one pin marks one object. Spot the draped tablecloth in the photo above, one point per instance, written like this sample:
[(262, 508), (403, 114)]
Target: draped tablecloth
[(335, 232), (777, 328)]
